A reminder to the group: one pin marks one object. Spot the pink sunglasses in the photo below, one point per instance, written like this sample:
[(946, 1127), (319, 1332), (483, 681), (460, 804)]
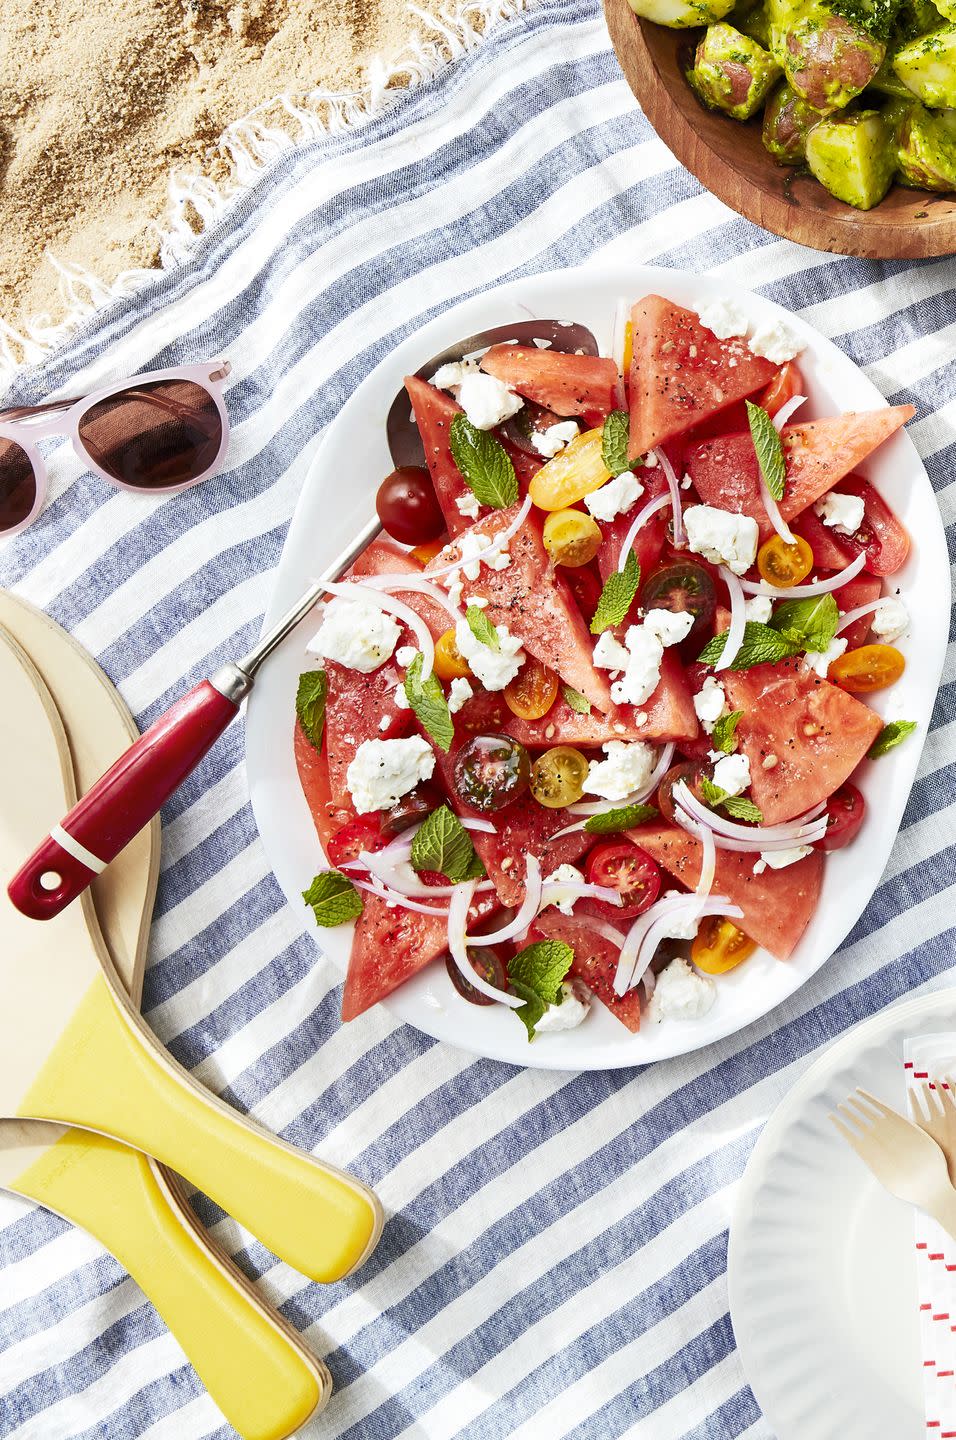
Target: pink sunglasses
[(159, 432)]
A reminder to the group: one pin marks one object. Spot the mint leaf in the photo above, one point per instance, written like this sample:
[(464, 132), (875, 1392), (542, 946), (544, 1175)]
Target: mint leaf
[(723, 736), (578, 702), (481, 627), (333, 898), (810, 624), (484, 464), (427, 699), (617, 597), (710, 793), (536, 975), (761, 646), (624, 818), (738, 807), (310, 705), (769, 448), (615, 438), (443, 844), (890, 736)]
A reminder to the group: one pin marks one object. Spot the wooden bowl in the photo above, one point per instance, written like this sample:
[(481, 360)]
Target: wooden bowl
[(729, 159)]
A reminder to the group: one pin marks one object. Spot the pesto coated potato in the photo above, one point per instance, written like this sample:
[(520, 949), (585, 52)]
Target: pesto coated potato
[(927, 67), (731, 72), (927, 149), (682, 14), (854, 157), (787, 121), (829, 61)]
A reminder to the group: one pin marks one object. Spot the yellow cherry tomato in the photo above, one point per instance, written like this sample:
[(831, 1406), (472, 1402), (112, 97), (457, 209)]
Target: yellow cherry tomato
[(449, 661), (558, 776), (571, 538), (719, 946), (870, 667), (784, 565), (533, 690), (424, 553), (628, 348), (575, 471)]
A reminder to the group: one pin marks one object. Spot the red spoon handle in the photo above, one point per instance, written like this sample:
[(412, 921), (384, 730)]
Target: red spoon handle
[(120, 803)]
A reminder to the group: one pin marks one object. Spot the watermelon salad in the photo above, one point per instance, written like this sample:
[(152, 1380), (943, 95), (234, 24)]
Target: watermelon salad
[(581, 727)]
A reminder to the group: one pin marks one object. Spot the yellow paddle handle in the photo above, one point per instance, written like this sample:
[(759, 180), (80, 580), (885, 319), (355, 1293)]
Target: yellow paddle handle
[(265, 1382), (104, 1074)]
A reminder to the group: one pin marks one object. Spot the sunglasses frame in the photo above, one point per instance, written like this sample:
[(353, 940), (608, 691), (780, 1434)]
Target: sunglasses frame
[(29, 423)]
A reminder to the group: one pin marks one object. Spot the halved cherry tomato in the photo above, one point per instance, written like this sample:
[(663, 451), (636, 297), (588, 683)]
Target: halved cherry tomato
[(690, 774), (410, 809), (575, 471), (558, 776), (487, 964), (363, 833), (869, 667), (571, 538), (784, 565), (492, 771), (785, 384), (628, 870), (682, 586), (533, 690), (719, 946), (427, 552), (845, 811), (408, 506), (881, 535), (449, 661), (585, 586)]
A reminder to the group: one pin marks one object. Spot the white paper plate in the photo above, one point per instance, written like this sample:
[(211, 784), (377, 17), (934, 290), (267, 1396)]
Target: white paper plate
[(821, 1266), (337, 500)]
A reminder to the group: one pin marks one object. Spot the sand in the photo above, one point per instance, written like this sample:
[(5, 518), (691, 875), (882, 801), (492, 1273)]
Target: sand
[(103, 101)]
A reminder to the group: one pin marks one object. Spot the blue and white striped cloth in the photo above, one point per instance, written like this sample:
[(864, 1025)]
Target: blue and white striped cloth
[(554, 1261)]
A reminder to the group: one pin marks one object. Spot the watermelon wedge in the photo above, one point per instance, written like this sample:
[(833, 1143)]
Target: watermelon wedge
[(668, 715), (567, 384), (681, 373), (828, 552), (818, 455), (595, 961), (816, 732), (357, 707), (777, 905), (535, 603), (313, 768), (434, 410), (859, 591)]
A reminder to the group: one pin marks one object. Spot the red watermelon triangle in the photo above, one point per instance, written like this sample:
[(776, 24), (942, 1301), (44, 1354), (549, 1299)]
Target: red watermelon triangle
[(595, 961), (434, 411), (565, 384)]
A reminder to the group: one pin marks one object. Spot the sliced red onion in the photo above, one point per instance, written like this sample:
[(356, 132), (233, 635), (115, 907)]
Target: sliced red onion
[(498, 543), (415, 584), (786, 410), (773, 512), (847, 620), (800, 592), (554, 890), (485, 826), (458, 945), (658, 917), (697, 910), (758, 841), (609, 932), (391, 606), (708, 862), (402, 901), (793, 830), (738, 619), (649, 981), (404, 881), (673, 485), (525, 913), (651, 508)]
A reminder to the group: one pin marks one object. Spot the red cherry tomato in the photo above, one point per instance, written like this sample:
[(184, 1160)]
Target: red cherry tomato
[(408, 506), (364, 833), (784, 385), (881, 535), (585, 585), (690, 774), (628, 870), (845, 811)]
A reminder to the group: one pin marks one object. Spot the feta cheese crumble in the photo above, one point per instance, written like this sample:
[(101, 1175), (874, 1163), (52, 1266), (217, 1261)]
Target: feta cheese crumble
[(780, 859), (774, 340), (610, 654), (681, 993), (819, 661), (571, 1010), (843, 513), (468, 505), (721, 537), (382, 771), (732, 773), (486, 401), (638, 660), (890, 619), (760, 608), (565, 875), (404, 655), (470, 547), (461, 690), (549, 442), (710, 703), (670, 627), (723, 317), (494, 668), (614, 497), (355, 633), (400, 698), (628, 766)]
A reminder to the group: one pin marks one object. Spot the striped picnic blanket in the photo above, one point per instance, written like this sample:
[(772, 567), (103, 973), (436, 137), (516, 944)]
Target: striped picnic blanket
[(554, 1261)]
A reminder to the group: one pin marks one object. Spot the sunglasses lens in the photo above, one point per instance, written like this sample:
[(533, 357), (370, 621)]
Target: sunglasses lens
[(162, 433), (18, 486)]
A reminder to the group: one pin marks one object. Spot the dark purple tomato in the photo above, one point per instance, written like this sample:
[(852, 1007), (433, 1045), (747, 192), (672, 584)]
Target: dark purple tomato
[(410, 809), (486, 963), (492, 771), (408, 506)]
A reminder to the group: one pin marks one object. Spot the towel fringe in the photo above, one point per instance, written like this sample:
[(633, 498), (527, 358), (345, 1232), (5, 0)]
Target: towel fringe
[(250, 146)]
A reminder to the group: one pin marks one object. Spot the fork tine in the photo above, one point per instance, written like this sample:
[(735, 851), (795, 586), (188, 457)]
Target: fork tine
[(877, 1104), (919, 1115), (946, 1101), (848, 1135), (935, 1104)]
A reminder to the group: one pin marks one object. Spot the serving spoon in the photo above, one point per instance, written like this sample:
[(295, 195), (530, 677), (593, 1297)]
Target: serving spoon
[(136, 787)]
